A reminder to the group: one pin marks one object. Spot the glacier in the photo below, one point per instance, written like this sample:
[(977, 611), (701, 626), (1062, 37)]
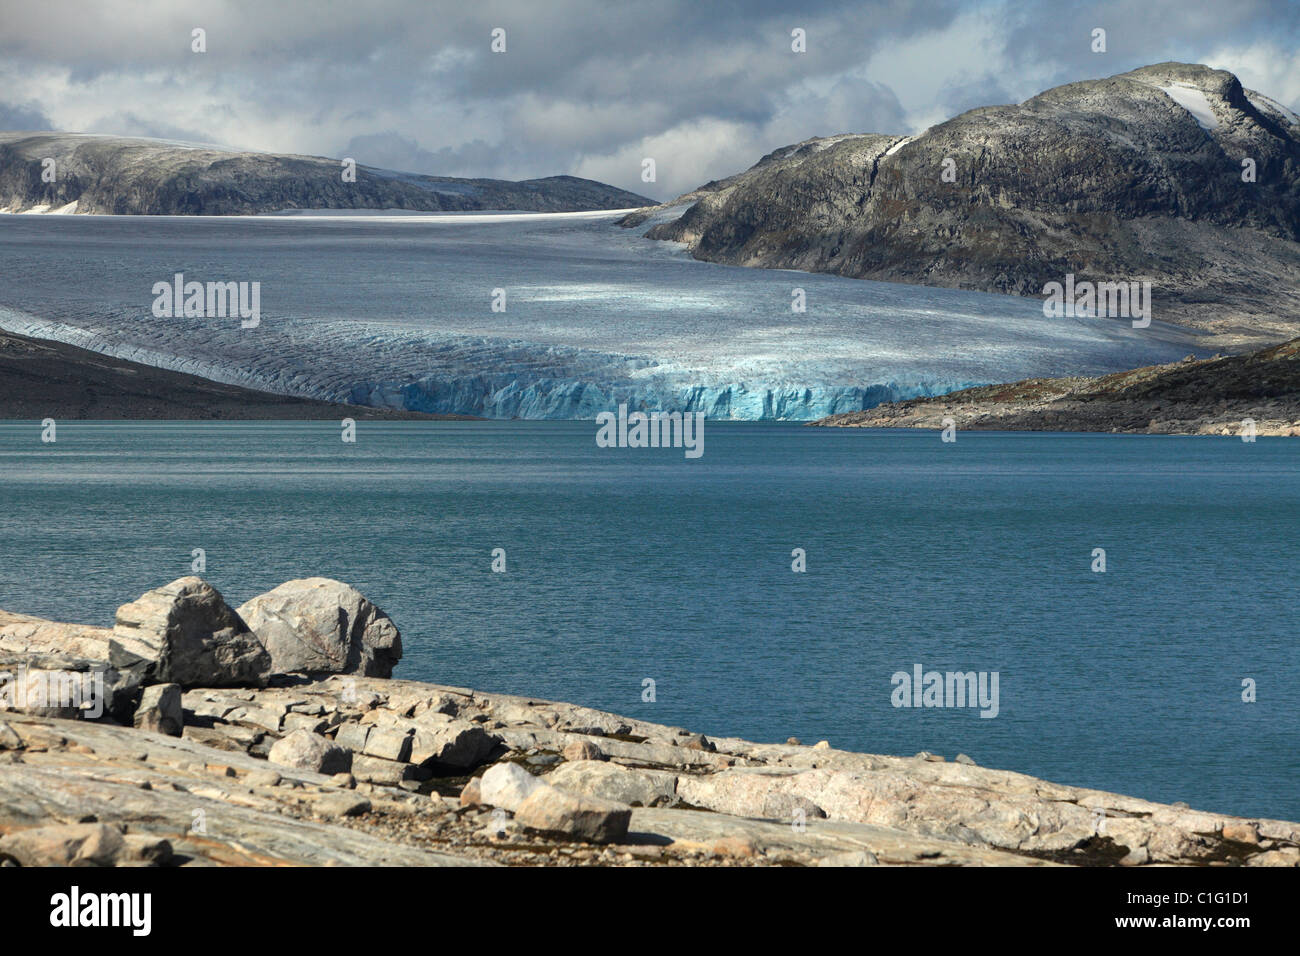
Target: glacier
[(396, 310)]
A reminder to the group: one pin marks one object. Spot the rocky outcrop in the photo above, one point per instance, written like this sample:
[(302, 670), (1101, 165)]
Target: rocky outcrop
[(210, 806), (124, 176), (321, 626), (185, 633), (355, 770), (1136, 177), (1242, 395)]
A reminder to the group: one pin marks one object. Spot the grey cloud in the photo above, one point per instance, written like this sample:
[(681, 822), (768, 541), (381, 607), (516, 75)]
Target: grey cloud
[(16, 116), (584, 85), (392, 150), (128, 123)]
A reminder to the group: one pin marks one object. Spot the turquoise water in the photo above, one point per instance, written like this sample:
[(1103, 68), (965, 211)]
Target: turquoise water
[(626, 564)]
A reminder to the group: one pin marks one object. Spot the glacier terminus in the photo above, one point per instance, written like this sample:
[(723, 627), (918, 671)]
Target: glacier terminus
[(531, 315)]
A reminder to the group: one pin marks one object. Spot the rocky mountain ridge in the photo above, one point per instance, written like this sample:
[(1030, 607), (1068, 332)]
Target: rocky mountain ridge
[(1141, 176), (129, 176)]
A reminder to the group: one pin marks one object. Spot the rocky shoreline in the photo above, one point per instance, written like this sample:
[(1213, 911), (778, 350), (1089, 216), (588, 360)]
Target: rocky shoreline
[(275, 734), (1239, 395)]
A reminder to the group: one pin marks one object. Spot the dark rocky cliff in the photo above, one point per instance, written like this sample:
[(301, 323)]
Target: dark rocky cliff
[(1138, 176)]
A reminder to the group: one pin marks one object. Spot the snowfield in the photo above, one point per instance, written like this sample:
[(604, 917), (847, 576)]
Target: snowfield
[(1195, 102), (396, 310)]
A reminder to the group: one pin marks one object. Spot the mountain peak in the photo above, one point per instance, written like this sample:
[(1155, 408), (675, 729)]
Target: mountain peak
[(1161, 174)]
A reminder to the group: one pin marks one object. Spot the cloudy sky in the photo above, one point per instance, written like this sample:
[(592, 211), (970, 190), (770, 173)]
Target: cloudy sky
[(587, 87)]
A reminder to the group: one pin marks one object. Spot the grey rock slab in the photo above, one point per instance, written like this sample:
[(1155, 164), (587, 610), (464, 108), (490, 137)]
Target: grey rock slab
[(778, 842), (342, 805), (607, 781), (232, 834), (388, 743), (224, 736), (388, 773), (850, 858), (353, 736), (266, 718), (295, 721)]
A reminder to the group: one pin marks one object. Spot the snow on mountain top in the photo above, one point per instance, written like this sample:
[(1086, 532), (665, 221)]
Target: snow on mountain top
[(1266, 104), (1195, 102)]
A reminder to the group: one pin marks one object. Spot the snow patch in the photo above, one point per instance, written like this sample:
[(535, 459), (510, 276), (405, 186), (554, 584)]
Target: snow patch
[(1195, 102), (899, 145), (1267, 104)]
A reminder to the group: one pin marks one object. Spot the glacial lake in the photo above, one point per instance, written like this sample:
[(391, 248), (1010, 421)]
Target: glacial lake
[(631, 564)]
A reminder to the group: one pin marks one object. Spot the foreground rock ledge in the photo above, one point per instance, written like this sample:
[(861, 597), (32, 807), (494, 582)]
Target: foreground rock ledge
[(346, 769), (213, 798)]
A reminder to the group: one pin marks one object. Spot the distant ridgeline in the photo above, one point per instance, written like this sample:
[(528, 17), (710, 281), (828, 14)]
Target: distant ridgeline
[(42, 172)]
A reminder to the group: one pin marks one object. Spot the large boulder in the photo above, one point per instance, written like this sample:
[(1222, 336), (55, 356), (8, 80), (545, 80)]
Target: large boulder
[(185, 633), (69, 844), (308, 751), (458, 746), (323, 626), (551, 810), (507, 785)]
